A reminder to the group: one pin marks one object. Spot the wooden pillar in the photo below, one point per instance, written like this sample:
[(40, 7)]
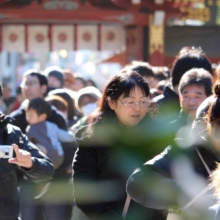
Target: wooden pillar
[(156, 44), (134, 43)]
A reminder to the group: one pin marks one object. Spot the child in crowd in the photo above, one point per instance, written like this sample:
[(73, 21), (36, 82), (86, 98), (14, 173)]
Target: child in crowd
[(46, 135)]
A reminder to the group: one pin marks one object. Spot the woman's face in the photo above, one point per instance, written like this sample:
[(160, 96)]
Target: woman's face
[(132, 109)]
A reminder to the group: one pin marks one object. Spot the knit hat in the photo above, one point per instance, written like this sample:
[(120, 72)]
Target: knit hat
[(89, 90), (55, 72)]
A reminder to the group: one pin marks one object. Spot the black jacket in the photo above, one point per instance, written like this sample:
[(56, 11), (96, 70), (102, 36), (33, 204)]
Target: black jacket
[(164, 181), (42, 169), (167, 104), (101, 166)]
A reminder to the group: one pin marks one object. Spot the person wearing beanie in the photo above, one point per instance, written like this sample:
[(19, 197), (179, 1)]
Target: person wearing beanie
[(55, 77)]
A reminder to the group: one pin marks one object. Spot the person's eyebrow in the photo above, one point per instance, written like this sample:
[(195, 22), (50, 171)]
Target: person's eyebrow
[(198, 93)]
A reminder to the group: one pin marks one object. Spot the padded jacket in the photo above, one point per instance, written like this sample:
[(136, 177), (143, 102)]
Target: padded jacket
[(101, 167), (10, 174), (174, 177)]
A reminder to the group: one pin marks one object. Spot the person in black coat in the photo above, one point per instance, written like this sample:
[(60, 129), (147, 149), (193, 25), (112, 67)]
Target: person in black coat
[(25, 161), (111, 146), (182, 171), (186, 59), (34, 85)]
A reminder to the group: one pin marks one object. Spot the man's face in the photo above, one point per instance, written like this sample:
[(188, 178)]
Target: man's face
[(6, 92), (31, 87), (190, 99), (53, 82)]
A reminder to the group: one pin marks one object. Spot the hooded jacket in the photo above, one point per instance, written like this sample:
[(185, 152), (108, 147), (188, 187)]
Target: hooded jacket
[(10, 174)]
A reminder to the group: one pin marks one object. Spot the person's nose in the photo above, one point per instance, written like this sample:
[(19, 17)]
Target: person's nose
[(192, 101), (137, 106)]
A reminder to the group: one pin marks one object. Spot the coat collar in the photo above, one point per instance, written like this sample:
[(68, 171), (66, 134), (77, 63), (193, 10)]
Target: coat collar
[(4, 120)]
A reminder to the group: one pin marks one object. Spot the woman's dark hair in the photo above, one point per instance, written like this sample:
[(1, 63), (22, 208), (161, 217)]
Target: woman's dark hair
[(144, 70), (41, 77), (187, 59), (65, 95), (122, 83), (40, 106), (57, 101), (213, 114)]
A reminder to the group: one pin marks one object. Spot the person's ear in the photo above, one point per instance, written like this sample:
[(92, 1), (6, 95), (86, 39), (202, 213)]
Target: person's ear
[(43, 117), (43, 89), (111, 104), (180, 100)]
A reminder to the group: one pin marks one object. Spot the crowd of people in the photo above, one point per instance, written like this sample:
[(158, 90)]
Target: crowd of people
[(145, 147)]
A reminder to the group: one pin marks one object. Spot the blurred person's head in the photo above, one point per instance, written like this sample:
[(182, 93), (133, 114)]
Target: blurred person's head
[(86, 100), (213, 117), (194, 87), (19, 96), (217, 73), (38, 110), (125, 97), (64, 93), (69, 79), (60, 103), (90, 82), (7, 91), (159, 75), (55, 77), (34, 84), (79, 83), (145, 70), (162, 84), (188, 58)]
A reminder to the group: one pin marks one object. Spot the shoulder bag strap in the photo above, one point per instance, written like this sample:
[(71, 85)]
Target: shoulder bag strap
[(206, 166), (126, 206), (204, 190)]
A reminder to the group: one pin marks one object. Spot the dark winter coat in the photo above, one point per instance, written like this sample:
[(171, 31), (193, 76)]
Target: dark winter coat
[(160, 183), (167, 104), (101, 166), (42, 169)]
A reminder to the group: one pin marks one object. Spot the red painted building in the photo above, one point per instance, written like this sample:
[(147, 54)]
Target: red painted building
[(142, 26)]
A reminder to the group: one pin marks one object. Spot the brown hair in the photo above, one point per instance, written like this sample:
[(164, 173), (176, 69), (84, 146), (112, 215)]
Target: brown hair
[(212, 117), (58, 102), (215, 181)]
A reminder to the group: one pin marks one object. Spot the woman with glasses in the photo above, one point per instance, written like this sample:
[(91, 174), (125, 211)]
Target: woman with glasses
[(113, 144)]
